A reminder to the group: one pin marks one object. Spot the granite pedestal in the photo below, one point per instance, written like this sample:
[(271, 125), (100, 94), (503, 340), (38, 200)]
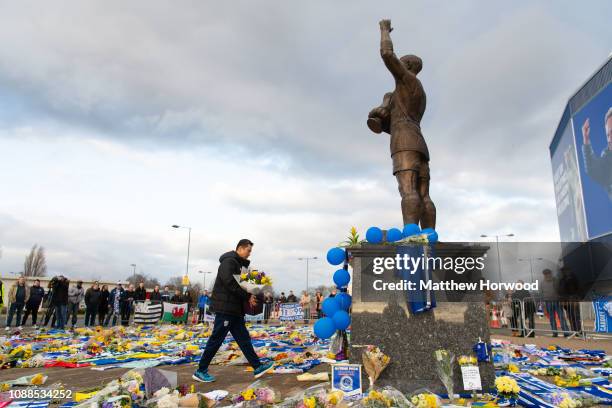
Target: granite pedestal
[(411, 339)]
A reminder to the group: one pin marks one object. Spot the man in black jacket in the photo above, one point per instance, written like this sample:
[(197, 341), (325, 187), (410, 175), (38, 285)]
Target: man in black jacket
[(227, 303), (36, 297), (92, 303)]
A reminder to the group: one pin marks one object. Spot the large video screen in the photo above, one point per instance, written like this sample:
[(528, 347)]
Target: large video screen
[(593, 137), (570, 207)]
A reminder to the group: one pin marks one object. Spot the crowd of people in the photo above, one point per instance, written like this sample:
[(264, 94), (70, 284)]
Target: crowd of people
[(558, 299), (63, 300)]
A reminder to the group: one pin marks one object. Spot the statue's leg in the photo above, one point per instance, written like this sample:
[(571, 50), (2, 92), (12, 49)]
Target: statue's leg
[(428, 217), (407, 181)]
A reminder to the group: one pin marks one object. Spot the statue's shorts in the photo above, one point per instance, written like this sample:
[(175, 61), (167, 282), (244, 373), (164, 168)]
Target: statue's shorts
[(411, 160)]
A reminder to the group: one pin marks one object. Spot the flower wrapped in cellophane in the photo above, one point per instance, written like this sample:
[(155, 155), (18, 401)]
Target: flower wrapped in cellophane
[(424, 399), (374, 363), (253, 281), (444, 367), (256, 394)]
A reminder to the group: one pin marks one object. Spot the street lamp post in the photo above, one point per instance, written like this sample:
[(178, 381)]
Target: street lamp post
[(204, 273), (188, 246), (530, 259), (133, 272), (307, 259), (498, 255)]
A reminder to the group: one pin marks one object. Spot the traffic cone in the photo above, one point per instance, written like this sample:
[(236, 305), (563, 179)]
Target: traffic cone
[(494, 319)]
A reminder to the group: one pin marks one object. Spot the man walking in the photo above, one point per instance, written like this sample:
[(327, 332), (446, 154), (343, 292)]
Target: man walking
[(227, 304), (36, 297), (75, 296), (18, 296)]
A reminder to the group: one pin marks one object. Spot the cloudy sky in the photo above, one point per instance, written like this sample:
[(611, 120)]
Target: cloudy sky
[(247, 119)]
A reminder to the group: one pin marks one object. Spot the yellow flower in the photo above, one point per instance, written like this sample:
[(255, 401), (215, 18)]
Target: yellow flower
[(513, 368), (335, 397), (243, 276), (310, 402), (248, 395), (38, 379)]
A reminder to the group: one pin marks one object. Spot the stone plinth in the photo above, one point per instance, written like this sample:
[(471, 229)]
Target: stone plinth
[(410, 340)]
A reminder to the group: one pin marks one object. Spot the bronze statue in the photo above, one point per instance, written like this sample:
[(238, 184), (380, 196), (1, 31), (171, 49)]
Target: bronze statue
[(400, 115)]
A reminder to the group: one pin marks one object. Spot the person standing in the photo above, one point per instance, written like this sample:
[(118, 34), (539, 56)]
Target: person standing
[(103, 305), (177, 297), (92, 303), (549, 288), (291, 298), (282, 298), (523, 299), (140, 294), (166, 294), (319, 302), (59, 300), (114, 303), (305, 303), (228, 298), (126, 301), (203, 302), (37, 293), (269, 304), (156, 295), (18, 296), (76, 294)]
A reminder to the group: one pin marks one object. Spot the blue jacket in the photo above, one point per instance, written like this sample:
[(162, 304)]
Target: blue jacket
[(203, 300)]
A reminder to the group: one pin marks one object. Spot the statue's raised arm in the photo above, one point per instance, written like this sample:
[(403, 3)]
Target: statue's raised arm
[(393, 64)]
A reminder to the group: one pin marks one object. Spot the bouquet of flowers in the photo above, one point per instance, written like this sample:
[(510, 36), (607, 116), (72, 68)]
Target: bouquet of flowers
[(374, 362), (253, 281), (425, 400), (507, 391), (316, 396), (444, 367), (258, 393), (467, 361), (376, 399)]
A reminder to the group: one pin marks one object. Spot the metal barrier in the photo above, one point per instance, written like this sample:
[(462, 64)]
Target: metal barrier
[(530, 316)]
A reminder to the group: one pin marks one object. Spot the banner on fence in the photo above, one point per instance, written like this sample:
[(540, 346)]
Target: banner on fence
[(175, 312), (603, 315), (147, 312), (254, 318), (291, 311)]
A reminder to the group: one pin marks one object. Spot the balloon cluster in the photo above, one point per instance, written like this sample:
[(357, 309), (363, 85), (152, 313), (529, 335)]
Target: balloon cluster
[(374, 235), (336, 307)]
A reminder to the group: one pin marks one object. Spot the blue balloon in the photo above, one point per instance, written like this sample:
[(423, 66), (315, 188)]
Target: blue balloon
[(330, 306), (433, 237), (324, 328), (394, 234), (344, 300), (410, 230), (341, 278), (336, 256), (374, 235), (342, 320)]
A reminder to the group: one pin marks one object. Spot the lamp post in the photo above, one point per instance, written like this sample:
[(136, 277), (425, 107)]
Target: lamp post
[(188, 246), (204, 273), (307, 259), (498, 255), (530, 259), (133, 272)]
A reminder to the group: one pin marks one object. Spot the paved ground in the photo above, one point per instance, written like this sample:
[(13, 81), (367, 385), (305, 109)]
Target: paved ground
[(233, 379)]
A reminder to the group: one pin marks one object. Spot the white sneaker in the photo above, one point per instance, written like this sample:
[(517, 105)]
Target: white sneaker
[(7, 328), (20, 328)]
